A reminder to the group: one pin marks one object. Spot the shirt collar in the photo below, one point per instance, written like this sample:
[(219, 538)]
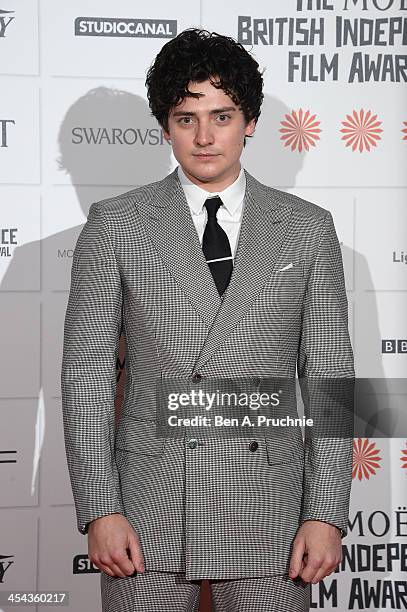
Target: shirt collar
[(231, 197)]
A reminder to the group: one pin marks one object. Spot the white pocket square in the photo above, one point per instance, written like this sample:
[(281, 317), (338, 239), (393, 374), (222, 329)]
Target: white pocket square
[(287, 267)]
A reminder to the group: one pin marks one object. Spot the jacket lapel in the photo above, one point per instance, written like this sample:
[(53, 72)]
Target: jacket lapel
[(263, 228), (168, 222)]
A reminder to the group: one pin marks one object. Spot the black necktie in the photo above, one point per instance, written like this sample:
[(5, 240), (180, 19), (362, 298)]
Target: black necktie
[(216, 246)]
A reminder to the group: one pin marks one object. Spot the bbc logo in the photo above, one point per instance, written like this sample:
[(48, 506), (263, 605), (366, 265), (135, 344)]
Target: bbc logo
[(394, 346)]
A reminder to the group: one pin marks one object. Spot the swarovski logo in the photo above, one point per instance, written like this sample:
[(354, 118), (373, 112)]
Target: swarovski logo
[(112, 136)]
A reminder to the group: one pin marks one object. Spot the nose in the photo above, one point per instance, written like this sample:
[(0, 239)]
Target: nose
[(203, 134)]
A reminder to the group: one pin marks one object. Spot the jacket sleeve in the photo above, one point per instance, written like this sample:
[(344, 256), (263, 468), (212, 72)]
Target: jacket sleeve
[(326, 366), (88, 376)]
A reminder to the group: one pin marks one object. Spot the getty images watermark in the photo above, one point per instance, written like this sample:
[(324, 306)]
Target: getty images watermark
[(234, 402), (243, 406)]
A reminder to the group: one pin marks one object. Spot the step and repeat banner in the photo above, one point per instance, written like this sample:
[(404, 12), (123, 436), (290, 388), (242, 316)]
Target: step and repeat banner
[(75, 127)]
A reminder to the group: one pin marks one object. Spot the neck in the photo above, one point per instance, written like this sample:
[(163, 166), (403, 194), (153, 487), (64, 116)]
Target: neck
[(216, 184)]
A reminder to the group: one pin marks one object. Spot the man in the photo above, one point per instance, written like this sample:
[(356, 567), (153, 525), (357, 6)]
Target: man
[(208, 273)]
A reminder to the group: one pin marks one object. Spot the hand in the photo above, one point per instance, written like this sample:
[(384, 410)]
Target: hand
[(109, 537), (317, 551)]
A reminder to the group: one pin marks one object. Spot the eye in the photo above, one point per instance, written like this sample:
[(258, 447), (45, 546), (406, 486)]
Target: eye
[(182, 119), (227, 116)]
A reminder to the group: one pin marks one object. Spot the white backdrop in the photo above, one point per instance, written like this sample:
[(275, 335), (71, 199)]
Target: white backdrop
[(75, 127)]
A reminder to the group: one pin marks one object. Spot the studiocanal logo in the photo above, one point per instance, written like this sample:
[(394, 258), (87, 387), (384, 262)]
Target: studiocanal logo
[(83, 565), (5, 20), (118, 26)]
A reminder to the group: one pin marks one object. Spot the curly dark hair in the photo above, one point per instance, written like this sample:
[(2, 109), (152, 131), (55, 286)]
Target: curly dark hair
[(197, 55)]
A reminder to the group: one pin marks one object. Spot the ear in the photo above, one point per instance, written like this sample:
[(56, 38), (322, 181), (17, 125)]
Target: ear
[(166, 134), (250, 128)]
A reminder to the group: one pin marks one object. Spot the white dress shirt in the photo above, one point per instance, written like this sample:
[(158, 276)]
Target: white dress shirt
[(229, 215)]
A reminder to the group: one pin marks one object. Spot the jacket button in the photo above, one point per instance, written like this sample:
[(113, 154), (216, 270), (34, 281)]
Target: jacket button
[(193, 443), (196, 377), (253, 446)]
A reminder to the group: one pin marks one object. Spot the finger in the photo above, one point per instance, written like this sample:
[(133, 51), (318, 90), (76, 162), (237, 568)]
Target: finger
[(108, 563), (136, 554), (326, 570), (104, 568), (117, 570), (320, 575), (296, 561), (312, 566), (121, 560)]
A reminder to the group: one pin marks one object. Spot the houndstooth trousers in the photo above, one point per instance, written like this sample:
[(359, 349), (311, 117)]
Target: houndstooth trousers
[(170, 592)]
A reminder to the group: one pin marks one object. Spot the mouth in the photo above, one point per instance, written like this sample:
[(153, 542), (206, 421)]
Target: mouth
[(205, 155)]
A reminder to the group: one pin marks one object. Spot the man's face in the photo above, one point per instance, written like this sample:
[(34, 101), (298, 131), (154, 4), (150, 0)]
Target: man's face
[(207, 135)]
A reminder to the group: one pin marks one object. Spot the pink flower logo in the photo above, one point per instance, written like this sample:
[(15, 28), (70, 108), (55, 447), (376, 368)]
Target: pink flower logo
[(361, 131), (365, 459), (300, 130), (403, 458)]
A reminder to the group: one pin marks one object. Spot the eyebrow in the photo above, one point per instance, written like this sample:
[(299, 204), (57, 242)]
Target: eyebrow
[(215, 111)]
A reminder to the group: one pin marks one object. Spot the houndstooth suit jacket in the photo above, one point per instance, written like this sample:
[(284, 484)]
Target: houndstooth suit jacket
[(218, 510)]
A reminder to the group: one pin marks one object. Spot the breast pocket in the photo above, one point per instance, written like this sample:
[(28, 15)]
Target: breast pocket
[(284, 289)]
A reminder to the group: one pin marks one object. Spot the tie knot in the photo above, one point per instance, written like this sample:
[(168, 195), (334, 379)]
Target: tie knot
[(212, 206)]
